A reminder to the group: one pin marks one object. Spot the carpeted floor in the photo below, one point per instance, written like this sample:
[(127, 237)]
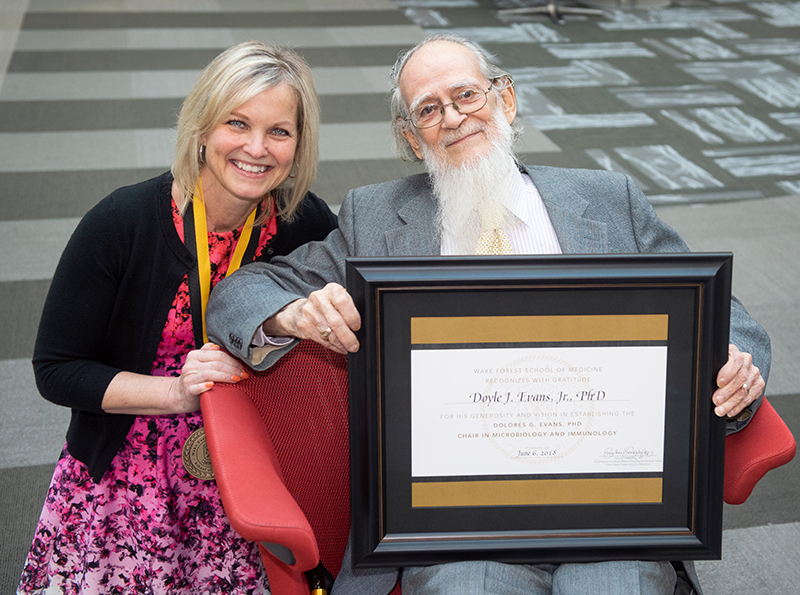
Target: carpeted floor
[(21, 498), (699, 101)]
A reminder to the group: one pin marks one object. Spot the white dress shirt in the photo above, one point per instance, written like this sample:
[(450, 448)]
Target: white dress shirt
[(531, 231)]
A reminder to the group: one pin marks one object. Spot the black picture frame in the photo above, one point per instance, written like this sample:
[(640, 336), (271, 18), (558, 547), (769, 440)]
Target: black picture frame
[(693, 289)]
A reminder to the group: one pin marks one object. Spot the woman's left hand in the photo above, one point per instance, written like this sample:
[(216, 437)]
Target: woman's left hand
[(203, 368)]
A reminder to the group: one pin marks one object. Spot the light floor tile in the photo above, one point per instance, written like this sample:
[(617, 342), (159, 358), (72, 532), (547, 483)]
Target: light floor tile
[(356, 141), (761, 234), (165, 39), (31, 248), (783, 325), (70, 86), (757, 561), (95, 150), (151, 148), (764, 237), (121, 149), (11, 14), (352, 80), (534, 140)]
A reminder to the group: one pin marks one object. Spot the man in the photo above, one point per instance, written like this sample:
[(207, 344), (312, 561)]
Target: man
[(454, 110)]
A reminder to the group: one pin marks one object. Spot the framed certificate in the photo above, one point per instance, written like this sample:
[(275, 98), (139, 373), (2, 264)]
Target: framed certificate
[(537, 409)]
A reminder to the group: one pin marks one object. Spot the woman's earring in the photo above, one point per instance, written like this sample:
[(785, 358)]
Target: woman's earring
[(293, 172), (201, 154)]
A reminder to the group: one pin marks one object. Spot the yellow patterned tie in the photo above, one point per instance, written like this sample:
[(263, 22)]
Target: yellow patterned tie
[(493, 240)]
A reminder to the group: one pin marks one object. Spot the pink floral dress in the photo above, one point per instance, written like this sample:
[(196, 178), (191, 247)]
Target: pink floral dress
[(148, 527)]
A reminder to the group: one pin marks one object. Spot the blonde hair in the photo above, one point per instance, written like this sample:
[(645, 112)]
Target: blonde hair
[(235, 76)]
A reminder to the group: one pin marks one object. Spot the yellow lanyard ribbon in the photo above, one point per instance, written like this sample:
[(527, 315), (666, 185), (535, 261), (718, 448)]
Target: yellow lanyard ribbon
[(201, 241)]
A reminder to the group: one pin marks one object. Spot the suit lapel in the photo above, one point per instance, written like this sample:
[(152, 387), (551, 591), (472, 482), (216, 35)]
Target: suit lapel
[(576, 234), (418, 237)]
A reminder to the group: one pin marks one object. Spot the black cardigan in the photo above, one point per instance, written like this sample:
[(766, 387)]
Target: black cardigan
[(109, 299)]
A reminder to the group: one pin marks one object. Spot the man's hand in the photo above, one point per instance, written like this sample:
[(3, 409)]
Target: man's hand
[(740, 383), (328, 316)]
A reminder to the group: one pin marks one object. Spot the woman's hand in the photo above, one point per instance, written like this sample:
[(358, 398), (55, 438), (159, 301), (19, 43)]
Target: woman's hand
[(140, 394), (203, 368)]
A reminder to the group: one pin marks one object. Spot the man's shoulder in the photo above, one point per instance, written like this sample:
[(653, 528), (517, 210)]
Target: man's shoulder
[(415, 183), (590, 186), (383, 200), (571, 173)]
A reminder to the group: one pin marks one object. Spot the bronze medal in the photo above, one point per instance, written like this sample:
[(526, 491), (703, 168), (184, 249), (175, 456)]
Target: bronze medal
[(196, 459)]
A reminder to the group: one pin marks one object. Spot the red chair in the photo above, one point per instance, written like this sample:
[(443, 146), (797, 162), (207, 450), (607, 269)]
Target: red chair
[(764, 444), (279, 444)]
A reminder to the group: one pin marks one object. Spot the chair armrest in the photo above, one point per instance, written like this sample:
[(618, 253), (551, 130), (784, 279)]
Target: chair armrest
[(258, 505), (764, 444)]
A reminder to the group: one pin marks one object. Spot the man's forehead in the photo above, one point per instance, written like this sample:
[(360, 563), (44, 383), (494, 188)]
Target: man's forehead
[(439, 65)]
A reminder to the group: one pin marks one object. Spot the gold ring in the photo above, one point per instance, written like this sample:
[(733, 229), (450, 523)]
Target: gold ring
[(746, 389), (326, 332)]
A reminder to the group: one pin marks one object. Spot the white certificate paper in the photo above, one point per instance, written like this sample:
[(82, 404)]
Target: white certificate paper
[(550, 410)]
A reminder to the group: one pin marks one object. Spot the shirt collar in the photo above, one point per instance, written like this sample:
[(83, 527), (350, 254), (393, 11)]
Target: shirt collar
[(519, 200)]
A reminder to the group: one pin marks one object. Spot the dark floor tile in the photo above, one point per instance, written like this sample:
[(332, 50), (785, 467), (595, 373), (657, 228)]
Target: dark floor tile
[(129, 114), (50, 195), (111, 60), (182, 59), (21, 499), (117, 114), (232, 20), (19, 317)]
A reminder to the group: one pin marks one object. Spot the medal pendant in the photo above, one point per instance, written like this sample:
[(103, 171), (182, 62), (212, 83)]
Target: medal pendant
[(196, 459)]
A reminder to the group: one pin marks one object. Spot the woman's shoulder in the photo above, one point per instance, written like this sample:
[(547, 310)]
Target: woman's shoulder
[(141, 194), (131, 204), (127, 209), (312, 221), (313, 213), (313, 206)]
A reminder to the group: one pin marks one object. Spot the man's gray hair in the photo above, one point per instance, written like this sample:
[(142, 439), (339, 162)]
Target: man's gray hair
[(399, 109)]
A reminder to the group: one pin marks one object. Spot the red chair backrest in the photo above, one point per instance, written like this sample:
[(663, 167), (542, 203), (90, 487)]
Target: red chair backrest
[(303, 401)]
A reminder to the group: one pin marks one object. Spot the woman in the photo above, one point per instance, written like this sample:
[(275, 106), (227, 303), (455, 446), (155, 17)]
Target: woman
[(122, 338)]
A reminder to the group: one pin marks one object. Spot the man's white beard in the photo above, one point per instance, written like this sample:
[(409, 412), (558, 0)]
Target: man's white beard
[(472, 195)]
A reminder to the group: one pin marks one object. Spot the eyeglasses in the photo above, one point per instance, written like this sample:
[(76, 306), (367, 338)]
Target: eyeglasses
[(468, 100)]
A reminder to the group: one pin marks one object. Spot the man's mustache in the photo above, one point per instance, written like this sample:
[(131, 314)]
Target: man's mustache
[(461, 132)]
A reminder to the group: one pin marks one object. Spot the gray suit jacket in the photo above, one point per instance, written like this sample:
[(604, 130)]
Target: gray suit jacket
[(591, 211)]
